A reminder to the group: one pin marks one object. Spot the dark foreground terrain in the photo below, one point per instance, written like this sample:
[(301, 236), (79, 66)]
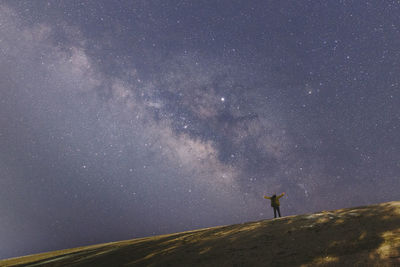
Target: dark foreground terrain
[(362, 236)]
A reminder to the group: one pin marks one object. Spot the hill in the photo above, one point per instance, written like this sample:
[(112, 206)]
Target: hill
[(362, 236)]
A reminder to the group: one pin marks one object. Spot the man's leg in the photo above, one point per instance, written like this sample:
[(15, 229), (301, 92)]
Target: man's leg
[(279, 211), (274, 212)]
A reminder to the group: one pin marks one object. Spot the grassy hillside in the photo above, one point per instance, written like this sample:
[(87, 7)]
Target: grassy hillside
[(362, 236)]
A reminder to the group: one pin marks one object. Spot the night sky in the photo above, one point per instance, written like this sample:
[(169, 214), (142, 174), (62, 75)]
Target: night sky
[(125, 119)]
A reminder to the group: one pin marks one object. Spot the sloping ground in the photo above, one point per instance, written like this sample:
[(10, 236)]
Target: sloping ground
[(363, 236)]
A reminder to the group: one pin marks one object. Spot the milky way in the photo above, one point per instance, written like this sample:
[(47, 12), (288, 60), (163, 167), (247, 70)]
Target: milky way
[(133, 118)]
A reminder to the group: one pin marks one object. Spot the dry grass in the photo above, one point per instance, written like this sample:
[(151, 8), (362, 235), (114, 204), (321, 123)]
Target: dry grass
[(363, 236)]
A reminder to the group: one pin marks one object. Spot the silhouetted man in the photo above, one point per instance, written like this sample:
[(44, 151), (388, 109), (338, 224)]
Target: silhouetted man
[(275, 203)]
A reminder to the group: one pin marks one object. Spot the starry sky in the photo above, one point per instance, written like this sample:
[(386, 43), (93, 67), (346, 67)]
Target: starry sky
[(125, 119)]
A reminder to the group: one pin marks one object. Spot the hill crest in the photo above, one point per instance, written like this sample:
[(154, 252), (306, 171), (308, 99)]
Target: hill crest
[(364, 236)]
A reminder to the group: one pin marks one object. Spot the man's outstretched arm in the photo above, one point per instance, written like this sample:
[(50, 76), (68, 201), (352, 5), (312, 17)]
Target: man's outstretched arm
[(267, 197), (281, 195)]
